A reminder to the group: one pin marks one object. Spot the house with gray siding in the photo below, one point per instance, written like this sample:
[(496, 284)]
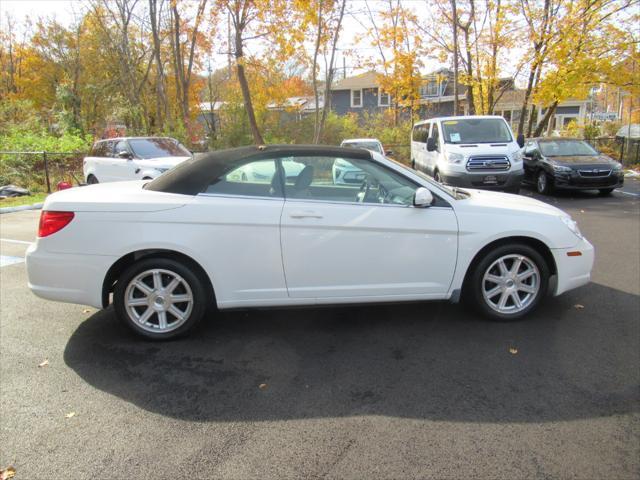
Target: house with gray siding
[(359, 94)]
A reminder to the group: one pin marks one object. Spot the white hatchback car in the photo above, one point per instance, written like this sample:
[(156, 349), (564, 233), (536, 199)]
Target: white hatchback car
[(132, 158), (165, 250)]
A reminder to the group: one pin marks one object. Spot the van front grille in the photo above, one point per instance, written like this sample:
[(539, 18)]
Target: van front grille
[(488, 163)]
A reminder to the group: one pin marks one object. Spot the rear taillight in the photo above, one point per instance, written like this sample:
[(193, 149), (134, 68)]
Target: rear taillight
[(52, 222)]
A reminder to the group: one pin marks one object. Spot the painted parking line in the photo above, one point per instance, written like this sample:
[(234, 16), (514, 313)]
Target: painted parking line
[(9, 240), (629, 193), (6, 260)]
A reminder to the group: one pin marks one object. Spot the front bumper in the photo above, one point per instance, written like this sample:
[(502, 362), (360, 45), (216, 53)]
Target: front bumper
[(67, 277), (485, 180), (573, 271), (573, 181)]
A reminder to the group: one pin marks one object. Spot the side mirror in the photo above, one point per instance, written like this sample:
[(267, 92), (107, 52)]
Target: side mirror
[(520, 140), (423, 197), (124, 154), (431, 144), (388, 152)]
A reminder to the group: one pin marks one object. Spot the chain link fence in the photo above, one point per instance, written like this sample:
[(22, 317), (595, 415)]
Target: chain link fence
[(40, 172)]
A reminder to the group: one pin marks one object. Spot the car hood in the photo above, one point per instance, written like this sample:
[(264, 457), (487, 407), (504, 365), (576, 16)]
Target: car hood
[(510, 203), (582, 160), (114, 197), (161, 162), (473, 149)]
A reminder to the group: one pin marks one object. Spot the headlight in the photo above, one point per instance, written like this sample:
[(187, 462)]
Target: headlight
[(455, 157), (517, 156), (617, 167), (571, 225), (561, 168)]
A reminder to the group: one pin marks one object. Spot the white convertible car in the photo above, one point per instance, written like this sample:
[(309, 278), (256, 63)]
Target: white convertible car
[(164, 250)]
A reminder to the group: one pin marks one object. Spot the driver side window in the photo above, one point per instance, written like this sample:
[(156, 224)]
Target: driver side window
[(350, 180)]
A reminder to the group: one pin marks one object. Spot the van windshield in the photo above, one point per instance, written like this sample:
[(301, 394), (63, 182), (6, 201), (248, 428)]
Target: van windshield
[(476, 130)]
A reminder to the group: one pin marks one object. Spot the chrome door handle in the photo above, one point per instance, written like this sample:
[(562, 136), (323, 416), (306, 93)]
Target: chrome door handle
[(303, 214)]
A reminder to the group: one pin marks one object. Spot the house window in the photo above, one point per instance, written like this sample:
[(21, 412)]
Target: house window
[(356, 98), (430, 89), (383, 99)]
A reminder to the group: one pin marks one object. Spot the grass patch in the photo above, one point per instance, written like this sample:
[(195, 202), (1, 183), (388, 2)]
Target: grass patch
[(25, 200)]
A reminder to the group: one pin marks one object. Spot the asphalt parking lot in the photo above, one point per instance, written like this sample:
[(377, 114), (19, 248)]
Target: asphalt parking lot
[(396, 391)]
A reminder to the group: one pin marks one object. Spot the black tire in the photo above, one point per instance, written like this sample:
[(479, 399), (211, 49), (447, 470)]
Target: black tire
[(474, 283), (92, 180), (606, 191), (201, 295), (437, 177), (544, 184), (413, 164)]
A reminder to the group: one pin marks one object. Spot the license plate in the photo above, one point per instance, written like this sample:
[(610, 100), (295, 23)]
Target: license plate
[(490, 179)]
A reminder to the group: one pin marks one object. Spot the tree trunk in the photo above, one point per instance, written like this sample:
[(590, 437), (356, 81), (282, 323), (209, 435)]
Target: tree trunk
[(551, 109), (329, 77), (454, 23), (162, 106), (246, 93), (316, 122)]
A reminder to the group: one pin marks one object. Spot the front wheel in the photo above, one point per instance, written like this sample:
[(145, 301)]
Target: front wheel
[(543, 183), (509, 282), (160, 298), (92, 180), (437, 177)]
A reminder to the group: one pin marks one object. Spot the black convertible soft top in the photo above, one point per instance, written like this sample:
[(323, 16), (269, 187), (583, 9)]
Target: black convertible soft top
[(195, 175)]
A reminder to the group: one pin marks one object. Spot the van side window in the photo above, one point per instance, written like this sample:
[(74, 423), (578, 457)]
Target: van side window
[(417, 134), (435, 133)]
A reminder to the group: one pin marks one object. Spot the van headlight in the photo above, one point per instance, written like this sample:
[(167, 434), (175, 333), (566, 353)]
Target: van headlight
[(572, 225), (455, 157), (517, 156)]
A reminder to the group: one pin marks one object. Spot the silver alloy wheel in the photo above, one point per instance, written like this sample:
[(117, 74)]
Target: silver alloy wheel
[(158, 300), (511, 284), (542, 182)]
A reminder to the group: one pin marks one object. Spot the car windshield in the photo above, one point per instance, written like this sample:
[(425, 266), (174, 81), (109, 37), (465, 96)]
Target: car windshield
[(566, 148), (147, 148), (476, 130), (372, 146)]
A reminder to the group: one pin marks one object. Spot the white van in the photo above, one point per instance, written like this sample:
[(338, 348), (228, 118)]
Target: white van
[(468, 151)]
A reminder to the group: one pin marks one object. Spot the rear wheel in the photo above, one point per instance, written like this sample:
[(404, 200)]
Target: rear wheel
[(543, 183), (91, 179), (160, 298), (437, 177), (508, 282), (606, 191)]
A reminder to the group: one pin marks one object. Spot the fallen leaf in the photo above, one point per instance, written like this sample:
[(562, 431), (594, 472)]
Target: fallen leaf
[(7, 473), (43, 364), (70, 414), (262, 386), (86, 310), (513, 350), (577, 306)]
